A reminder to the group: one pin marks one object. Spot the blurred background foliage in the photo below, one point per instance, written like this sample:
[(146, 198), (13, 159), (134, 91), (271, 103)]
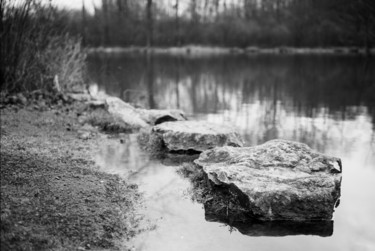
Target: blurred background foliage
[(41, 45), (242, 23)]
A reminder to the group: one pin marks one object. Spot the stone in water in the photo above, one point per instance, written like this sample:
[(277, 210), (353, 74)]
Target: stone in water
[(195, 135), (278, 180)]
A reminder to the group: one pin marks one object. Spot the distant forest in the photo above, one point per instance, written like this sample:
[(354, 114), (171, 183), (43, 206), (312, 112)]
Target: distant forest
[(241, 23)]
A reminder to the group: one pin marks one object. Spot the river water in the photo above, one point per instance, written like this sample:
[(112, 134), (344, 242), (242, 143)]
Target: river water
[(327, 102)]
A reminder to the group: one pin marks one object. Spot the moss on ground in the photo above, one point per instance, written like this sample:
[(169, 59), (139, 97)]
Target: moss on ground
[(52, 196)]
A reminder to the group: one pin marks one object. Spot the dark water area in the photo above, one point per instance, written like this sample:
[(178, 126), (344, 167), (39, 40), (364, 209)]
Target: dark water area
[(327, 102)]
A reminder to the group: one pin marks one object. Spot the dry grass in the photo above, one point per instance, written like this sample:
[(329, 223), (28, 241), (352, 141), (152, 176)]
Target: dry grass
[(36, 51)]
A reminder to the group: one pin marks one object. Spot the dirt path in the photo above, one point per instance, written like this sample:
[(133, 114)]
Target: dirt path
[(52, 197)]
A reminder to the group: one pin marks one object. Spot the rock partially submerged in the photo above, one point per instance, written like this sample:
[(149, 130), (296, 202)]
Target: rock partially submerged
[(140, 118), (278, 180), (156, 116), (125, 112), (195, 135)]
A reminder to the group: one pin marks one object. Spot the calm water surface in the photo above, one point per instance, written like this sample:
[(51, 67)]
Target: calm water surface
[(326, 102)]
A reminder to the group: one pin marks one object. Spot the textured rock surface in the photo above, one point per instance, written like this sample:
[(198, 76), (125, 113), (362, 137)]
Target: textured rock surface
[(140, 117), (195, 135), (278, 180), (125, 112)]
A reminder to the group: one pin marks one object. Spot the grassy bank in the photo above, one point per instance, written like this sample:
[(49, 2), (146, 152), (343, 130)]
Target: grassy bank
[(52, 196)]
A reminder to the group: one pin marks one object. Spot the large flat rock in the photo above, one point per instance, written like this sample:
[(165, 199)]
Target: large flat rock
[(195, 135), (278, 180)]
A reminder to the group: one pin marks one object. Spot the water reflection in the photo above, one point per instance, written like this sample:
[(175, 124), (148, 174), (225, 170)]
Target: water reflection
[(326, 102), (267, 97), (208, 84)]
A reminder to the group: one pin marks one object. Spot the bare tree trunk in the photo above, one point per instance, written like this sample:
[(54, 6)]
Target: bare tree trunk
[(123, 6), (193, 10), (205, 12), (2, 56), (84, 24), (105, 39), (149, 34), (217, 4), (367, 36), (247, 9), (120, 6), (278, 6), (177, 27)]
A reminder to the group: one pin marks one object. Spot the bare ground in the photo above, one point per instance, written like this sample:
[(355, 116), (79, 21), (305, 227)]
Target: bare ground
[(52, 196)]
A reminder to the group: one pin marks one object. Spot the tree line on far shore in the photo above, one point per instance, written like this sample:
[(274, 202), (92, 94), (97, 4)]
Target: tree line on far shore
[(240, 23), (41, 45)]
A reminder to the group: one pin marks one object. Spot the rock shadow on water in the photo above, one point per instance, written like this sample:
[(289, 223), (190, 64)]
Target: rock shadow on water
[(258, 228), (223, 205)]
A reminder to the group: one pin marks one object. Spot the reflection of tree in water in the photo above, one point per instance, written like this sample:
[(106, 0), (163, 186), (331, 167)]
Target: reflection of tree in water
[(271, 118), (302, 82), (150, 81), (295, 97), (136, 165)]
